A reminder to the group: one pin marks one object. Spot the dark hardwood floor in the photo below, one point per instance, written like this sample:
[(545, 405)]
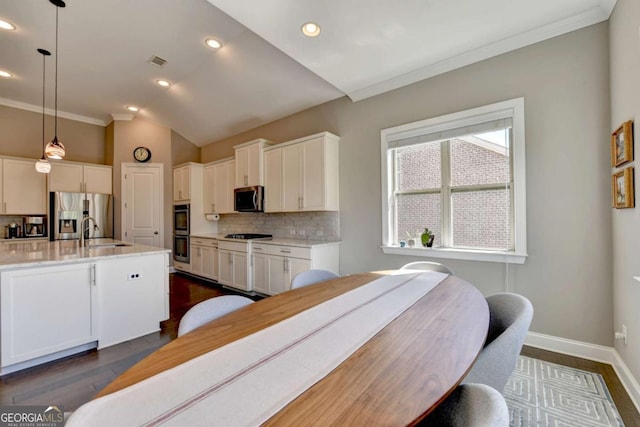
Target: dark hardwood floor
[(74, 380)]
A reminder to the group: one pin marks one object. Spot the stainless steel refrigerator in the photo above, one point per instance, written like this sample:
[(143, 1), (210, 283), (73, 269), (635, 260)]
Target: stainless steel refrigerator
[(68, 209)]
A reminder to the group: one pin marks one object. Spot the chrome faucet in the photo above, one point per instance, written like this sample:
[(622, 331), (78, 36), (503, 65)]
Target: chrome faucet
[(95, 226)]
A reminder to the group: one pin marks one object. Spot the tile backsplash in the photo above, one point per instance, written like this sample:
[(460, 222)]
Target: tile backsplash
[(298, 225)]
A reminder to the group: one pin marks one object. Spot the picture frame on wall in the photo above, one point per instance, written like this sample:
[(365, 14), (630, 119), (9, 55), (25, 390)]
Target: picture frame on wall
[(622, 189), (622, 144)]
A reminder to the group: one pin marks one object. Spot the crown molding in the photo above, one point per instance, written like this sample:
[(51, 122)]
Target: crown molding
[(48, 111), (121, 116)]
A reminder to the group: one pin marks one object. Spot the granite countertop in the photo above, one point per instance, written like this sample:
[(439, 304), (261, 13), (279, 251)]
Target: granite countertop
[(20, 254), (270, 241)]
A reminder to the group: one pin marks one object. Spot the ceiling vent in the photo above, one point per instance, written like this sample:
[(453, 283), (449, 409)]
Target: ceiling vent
[(157, 61)]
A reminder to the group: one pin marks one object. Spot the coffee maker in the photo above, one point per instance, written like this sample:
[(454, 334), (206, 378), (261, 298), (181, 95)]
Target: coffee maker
[(33, 226), (13, 231)]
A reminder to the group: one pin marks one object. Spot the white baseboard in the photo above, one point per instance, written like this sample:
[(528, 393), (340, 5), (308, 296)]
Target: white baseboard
[(598, 353)]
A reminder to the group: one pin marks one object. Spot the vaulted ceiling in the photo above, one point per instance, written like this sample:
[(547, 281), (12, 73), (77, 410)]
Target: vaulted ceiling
[(266, 69)]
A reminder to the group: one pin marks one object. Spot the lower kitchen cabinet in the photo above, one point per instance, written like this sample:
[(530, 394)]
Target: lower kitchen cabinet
[(131, 297), (51, 312), (204, 257), (273, 265), (233, 267), (46, 310)]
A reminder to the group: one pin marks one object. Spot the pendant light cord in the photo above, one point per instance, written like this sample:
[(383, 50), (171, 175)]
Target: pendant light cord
[(44, 60), (55, 134)]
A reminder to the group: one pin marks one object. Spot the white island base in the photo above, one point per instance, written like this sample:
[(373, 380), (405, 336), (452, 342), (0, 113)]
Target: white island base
[(63, 299)]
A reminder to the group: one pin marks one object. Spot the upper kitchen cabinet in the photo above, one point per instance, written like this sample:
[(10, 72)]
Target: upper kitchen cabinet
[(80, 178), (219, 180), (302, 175), (273, 180), (182, 183), (24, 191), (187, 185), (249, 160)]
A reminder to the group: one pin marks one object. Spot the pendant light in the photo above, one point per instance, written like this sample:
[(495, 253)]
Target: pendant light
[(43, 165), (55, 149)]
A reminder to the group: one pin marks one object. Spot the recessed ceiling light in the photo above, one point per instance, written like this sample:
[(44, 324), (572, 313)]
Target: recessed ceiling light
[(6, 25), (213, 43), (163, 83), (5, 74), (310, 29), (133, 108)]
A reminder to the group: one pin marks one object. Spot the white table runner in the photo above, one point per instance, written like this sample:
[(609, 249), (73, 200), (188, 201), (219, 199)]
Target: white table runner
[(246, 382)]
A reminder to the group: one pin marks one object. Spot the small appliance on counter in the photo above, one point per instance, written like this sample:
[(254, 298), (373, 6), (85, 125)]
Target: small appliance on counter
[(33, 226), (12, 231)]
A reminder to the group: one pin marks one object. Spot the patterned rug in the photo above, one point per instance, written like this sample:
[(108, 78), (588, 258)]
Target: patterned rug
[(541, 394)]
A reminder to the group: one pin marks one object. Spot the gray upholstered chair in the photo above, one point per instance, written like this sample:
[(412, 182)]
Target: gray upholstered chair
[(470, 405), (209, 310), (510, 317), (310, 277), (429, 266)]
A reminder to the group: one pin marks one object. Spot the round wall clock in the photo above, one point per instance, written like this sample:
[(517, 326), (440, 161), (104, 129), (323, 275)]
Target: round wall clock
[(142, 154)]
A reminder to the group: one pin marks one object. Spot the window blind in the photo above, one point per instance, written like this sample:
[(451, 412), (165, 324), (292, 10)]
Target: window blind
[(444, 131)]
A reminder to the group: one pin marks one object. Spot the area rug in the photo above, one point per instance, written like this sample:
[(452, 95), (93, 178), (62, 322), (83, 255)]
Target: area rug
[(543, 394)]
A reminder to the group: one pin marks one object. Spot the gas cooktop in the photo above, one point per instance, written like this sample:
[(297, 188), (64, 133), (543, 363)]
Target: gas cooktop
[(248, 236)]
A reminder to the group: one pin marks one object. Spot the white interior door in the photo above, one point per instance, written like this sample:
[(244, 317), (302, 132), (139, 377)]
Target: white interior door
[(142, 215)]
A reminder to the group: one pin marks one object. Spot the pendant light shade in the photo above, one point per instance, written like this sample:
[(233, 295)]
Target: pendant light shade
[(55, 149), (43, 165)]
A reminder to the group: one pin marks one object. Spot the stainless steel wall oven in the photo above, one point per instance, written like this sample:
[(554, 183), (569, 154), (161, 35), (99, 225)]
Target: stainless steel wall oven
[(181, 231), (181, 248)]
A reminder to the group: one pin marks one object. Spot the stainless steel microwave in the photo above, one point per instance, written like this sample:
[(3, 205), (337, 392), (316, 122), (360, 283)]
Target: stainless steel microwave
[(249, 199)]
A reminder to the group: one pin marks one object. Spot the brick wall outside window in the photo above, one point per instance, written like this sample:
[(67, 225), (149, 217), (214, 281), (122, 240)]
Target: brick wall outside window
[(479, 219)]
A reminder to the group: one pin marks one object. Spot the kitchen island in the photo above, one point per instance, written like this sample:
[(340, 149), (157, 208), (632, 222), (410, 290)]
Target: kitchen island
[(57, 298)]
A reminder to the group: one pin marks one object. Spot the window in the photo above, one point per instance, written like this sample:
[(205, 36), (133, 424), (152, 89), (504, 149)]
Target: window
[(461, 175)]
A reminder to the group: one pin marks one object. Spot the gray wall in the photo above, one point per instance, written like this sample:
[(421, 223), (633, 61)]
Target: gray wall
[(565, 82), (625, 88)]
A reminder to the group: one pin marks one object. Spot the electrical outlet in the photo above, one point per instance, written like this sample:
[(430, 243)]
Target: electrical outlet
[(134, 276), (292, 231)]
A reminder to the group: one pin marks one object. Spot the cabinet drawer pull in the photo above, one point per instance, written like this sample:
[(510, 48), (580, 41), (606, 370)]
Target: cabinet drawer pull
[(285, 251)]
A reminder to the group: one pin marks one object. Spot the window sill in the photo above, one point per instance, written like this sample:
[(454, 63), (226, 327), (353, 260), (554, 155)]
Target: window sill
[(464, 254)]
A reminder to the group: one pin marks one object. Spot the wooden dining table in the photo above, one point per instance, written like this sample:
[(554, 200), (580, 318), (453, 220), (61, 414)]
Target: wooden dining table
[(396, 378)]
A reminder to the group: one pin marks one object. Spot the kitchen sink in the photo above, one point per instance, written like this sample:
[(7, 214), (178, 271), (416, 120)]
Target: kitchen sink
[(107, 245)]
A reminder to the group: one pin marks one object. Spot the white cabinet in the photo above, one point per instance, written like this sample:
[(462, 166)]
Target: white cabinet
[(273, 201), (209, 189), (259, 272), (182, 184), (46, 310), (204, 257), (81, 178), (233, 266), (249, 163), (23, 190), (218, 186), (302, 175), (131, 297), (274, 265)]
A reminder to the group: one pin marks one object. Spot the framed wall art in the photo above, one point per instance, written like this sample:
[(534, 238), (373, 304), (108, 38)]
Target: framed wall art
[(622, 189), (622, 144)]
